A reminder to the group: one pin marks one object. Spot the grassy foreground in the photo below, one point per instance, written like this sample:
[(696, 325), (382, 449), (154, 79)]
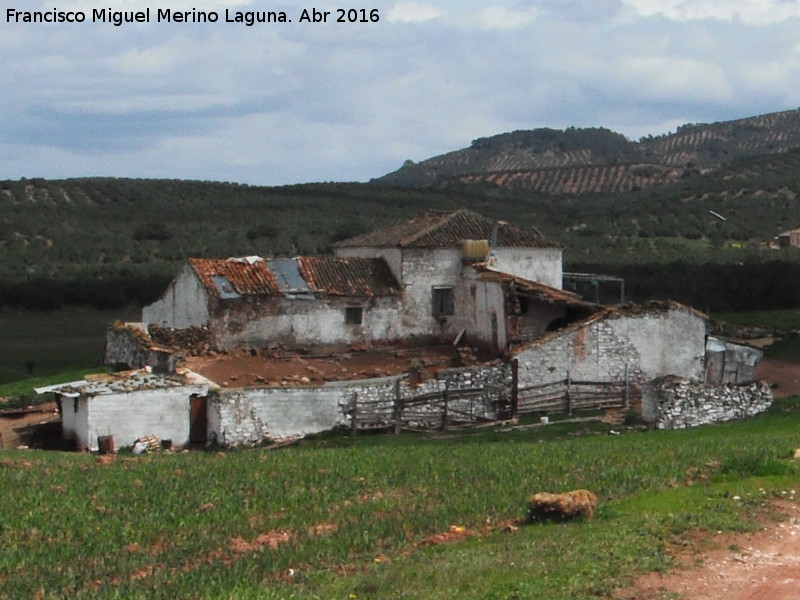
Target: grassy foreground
[(337, 518)]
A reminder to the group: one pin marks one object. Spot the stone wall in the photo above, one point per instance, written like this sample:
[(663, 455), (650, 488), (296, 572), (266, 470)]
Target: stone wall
[(241, 417), (676, 403), (640, 343), (130, 346)]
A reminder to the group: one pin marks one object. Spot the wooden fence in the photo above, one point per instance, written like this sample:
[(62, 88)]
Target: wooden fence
[(567, 396), (479, 406), (433, 410)]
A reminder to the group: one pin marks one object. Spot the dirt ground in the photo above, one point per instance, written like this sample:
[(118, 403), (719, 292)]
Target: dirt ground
[(316, 366), (35, 428), (761, 566), (783, 376)]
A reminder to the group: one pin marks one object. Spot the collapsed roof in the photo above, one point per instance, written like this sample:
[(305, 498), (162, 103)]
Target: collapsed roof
[(302, 276)]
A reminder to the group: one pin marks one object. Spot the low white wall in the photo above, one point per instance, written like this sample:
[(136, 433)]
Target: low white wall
[(254, 415), (129, 416)]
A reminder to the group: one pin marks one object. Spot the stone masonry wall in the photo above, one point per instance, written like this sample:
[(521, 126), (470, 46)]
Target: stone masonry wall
[(640, 345), (679, 403), (250, 416)]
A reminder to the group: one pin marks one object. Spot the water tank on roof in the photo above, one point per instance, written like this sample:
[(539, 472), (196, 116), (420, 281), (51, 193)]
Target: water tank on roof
[(476, 250)]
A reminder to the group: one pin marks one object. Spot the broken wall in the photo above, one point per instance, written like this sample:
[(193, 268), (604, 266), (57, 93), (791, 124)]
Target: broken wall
[(184, 304), (300, 321), (676, 403), (644, 343), (128, 344)]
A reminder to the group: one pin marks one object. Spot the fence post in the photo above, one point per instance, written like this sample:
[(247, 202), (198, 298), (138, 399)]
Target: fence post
[(627, 398), (398, 408), (568, 395), (445, 416), (514, 388), (354, 416)]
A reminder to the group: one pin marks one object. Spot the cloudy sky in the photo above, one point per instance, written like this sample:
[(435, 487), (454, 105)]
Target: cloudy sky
[(295, 102)]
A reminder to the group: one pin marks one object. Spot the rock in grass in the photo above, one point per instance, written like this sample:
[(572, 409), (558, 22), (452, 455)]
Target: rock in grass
[(545, 506)]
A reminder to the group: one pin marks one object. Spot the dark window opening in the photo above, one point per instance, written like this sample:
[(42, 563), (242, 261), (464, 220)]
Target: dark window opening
[(524, 305), (558, 323), (353, 315), (443, 302)]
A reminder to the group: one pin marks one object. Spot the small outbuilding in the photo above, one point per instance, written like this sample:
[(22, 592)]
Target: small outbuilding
[(131, 405)]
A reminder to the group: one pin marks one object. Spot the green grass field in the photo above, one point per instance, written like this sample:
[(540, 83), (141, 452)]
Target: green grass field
[(343, 518), (788, 319), (63, 340)]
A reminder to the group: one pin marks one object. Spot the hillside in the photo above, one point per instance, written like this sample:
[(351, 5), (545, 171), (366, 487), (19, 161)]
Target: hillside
[(107, 242), (598, 160)]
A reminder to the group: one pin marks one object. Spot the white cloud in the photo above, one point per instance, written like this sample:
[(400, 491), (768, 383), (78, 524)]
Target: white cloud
[(754, 12), (286, 103), (413, 12), (498, 17)]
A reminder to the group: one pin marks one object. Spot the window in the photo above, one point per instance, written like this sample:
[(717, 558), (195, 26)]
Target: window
[(443, 303), (353, 315)]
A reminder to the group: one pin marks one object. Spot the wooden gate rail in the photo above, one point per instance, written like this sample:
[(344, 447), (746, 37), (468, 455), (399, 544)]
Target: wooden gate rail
[(431, 410), (567, 395)]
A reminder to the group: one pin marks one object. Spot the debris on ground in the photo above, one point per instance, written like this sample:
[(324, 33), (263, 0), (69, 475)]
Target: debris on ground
[(281, 367), (545, 506)]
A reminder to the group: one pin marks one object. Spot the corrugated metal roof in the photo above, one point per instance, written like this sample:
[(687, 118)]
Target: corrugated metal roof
[(286, 272), (437, 230), (355, 277), (303, 276)]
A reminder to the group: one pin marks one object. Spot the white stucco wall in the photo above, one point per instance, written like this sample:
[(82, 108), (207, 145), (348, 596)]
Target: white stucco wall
[(648, 345), (254, 415), (297, 321), (542, 265), (69, 416), (478, 304), (184, 304), (129, 416), (422, 271)]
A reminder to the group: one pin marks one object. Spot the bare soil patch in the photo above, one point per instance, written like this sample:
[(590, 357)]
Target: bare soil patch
[(317, 366), (783, 376), (758, 566), (36, 427)]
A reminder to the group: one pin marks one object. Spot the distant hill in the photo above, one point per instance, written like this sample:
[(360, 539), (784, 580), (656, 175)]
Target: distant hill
[(107, 242), (598, 160)]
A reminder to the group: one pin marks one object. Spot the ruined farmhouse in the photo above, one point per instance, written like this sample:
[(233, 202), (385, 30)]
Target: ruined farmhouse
[(486, 294), (433, 278)]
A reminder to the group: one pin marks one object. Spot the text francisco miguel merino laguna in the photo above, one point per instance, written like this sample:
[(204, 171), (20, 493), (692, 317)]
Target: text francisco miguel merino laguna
[(166, 15)]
